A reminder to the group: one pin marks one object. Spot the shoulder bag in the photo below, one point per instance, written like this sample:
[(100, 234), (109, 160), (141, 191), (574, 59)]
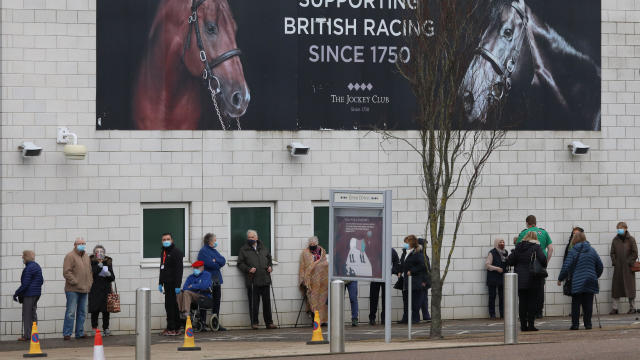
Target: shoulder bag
[(635, 267), (535, 268), (113, 300), (568, 283)]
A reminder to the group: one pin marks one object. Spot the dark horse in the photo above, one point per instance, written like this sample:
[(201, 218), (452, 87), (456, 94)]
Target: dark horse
[(191, 62), (545, 82)]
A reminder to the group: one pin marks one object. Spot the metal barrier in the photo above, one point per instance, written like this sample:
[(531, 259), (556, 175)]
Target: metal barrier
[(336, 320), (409, 307), (510, 308), (143, 324)]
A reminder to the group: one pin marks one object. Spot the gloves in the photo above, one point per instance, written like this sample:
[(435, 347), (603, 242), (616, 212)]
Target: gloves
[(105, 272), (177, 290), (160, 288), (15, 298)]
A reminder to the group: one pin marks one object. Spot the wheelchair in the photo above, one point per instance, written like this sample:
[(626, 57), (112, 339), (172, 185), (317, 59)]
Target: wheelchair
[(210, 321)]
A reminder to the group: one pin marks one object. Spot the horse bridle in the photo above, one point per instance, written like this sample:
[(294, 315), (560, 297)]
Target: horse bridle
[(207, 72), (504, 69)]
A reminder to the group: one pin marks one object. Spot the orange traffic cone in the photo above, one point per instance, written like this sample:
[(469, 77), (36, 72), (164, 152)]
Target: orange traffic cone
[(317, 338), (98, 349), (34, 347), (189, 342)]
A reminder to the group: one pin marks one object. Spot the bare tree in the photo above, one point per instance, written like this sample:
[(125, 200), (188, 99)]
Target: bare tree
[(453, 151)]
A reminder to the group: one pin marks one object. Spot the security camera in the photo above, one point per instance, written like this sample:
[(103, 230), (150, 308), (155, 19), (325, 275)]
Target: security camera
[(298, 149), (71, 150), (30, 149), (578, 148)]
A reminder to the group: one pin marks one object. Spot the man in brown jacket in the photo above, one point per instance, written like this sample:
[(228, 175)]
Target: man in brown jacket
[(78, 279)]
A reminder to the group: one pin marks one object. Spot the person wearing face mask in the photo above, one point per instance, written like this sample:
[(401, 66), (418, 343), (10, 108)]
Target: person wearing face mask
[(195, 287), (29, 292), (170, 280), (213, 262), (405, 301), (78, 277), (624, 252), (254, 261), (496, 265), (103, 276), (313, 275), (415, 266)]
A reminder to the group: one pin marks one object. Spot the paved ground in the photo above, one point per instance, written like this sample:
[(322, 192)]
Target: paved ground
[(365, 338)]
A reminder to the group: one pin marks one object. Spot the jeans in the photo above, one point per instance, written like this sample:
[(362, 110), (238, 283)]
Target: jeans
[(493, 291), (352, 288), (76, 310), (29, 315), (424, 307), (586, 301)]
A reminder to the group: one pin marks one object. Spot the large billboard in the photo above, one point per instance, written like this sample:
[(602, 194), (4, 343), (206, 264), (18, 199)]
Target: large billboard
[(330, 64)]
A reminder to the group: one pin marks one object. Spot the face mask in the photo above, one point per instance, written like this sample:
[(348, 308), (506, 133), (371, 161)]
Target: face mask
[(81, 247), (405, 246), (620, 231), (166, 243), (196, 272), (313, 247), (100, 255), (215, 245), (251, 242)]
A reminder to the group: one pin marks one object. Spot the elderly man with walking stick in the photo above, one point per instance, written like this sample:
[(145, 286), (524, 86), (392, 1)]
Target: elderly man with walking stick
[(254, 260)]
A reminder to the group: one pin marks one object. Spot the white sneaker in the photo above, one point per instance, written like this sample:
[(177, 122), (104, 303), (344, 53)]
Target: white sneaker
[(106, 332)]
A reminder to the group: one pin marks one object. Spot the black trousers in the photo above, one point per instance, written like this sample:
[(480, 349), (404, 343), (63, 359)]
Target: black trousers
[(493, 291), (29, 314), (528, 299), (417, 297), (424, 307), (216, 294), (254, 294), (540, 298), (171, 307), (586, 301), (105, 320), (376, 290)]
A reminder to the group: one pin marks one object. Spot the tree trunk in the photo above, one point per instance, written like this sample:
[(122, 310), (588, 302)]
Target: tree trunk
[(436, 300)]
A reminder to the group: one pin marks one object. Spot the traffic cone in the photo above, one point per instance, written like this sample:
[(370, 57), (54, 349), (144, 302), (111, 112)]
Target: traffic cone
[(34, 347), (189, 342), (98, 349), (317, 338)]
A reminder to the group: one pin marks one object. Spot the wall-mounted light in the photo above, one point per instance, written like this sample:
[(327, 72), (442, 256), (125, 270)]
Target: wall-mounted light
[(29, 149), (71, 150), (298, 149), (578, 148)]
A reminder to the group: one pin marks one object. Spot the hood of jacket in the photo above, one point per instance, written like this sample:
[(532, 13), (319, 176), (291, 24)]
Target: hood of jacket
[(582, 247)]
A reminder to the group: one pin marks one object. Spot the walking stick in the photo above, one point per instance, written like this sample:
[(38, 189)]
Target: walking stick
[(273, 295), (300, 310), (595, 297), (251, 308)]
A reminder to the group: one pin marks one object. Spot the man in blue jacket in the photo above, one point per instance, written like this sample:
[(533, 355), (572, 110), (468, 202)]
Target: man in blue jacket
[(196, 286), (213, 262), (29, 292)]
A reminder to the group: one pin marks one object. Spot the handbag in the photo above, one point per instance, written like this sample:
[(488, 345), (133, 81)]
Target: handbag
[(535, 268), (113, 300), (635, 267), (399, 285), (568, 283)]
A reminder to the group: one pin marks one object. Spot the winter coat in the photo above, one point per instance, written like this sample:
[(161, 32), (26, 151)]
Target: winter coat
[(395, 262), (260, 258), (31, 280), (101, 284), (624, 253), (171, 267), (495, 278), (206, 255), (520, 258), (76, 270), (585, 267), (415, 262), (200, 284)]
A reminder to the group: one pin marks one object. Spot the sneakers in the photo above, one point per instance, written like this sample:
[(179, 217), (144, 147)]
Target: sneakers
[(354, 322), (106, 332), (166, 332)]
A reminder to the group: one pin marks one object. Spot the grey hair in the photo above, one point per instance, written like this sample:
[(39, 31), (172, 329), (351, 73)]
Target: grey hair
[(312, 239), (208, 238), (251, 231), (99, 247)]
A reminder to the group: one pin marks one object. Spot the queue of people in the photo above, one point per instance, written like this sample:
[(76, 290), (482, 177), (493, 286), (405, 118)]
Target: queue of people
[(89, 278)]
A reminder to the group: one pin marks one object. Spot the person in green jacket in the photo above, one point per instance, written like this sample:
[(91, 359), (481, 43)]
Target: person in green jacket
[(254, 260), (547, 248)]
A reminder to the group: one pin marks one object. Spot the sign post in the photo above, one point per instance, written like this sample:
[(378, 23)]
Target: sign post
[(360, 241)]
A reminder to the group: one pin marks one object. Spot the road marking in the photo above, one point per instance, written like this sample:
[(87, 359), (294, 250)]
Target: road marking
[(495, 324), (462, 332)]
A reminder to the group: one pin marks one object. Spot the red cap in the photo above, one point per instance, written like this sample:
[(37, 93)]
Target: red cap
[(197, 264)]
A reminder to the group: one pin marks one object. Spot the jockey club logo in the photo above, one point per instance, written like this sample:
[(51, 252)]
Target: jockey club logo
[(359, 97)]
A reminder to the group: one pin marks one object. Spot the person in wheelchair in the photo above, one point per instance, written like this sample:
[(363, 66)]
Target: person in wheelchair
[(196, 289)]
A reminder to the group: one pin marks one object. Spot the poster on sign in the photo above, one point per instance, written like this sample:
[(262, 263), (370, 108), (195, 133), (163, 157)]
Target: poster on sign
[(357, 247), (330, 64)]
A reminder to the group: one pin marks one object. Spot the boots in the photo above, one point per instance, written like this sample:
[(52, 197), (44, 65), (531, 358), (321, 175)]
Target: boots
[(531, 326)]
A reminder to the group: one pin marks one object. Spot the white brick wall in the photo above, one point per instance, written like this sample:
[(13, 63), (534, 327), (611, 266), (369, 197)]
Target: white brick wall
[(48, 80)]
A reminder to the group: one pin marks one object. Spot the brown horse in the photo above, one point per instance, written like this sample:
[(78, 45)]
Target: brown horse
[(191, 61)]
